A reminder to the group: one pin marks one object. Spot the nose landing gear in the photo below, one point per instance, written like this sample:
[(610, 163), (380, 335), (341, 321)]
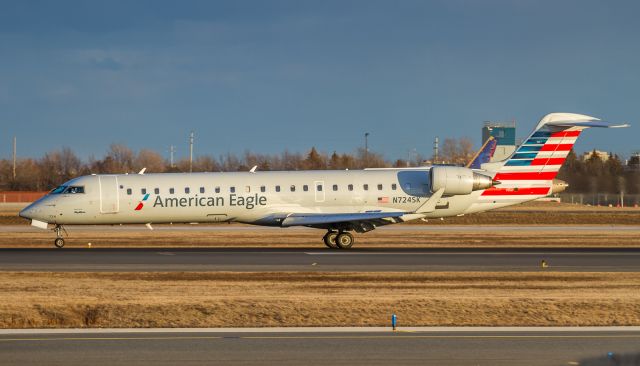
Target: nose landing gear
[(59, 241)]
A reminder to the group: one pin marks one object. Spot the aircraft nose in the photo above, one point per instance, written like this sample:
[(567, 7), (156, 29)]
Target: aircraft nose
[(29, 212)]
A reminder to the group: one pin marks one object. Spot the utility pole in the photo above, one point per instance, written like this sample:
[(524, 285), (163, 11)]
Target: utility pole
[(435, 150), (366, 149), (14, 158), (172, 150), (191, 152)]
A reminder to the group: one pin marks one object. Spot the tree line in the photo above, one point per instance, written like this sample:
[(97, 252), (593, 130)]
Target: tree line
[(58, 166), (594, 175)]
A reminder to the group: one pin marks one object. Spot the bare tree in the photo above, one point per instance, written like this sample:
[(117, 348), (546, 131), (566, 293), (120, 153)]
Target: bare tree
[(151, 160)]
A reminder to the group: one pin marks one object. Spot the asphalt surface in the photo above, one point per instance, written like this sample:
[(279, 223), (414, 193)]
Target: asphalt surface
[(251, 259), (323, 348)]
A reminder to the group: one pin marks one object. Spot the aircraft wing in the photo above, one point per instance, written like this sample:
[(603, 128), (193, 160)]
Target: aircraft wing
[(358, 221), (319, 219)]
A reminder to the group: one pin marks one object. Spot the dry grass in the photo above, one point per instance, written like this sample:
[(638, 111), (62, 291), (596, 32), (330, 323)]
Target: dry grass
[(316, 299), (250, 236)]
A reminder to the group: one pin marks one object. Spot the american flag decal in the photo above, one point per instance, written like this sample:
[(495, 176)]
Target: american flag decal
[(383, 199)]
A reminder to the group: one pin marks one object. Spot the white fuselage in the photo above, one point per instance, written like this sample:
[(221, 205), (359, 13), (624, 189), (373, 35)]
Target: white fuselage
[(257, 198)]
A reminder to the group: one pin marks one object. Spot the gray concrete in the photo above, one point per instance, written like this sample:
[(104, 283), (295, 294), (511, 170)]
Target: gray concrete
[(251, 259), (446, 347)]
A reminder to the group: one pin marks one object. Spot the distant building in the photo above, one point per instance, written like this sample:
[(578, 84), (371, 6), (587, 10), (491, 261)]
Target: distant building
[(633, 163), (505, 134), (603, 155)]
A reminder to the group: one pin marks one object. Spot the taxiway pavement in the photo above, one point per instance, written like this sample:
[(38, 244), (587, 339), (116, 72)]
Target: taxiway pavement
[(446, 346), (313, 259)]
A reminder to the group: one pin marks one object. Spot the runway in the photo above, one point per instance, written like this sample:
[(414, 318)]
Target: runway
[(269, 347), (313, 259)]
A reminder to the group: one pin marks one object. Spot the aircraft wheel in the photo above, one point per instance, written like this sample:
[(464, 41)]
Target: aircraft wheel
[(59, 242), (330, 239), (344, 240)]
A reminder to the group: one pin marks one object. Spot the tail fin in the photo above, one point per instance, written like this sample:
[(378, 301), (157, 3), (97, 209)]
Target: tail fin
[(485, 153), (529, 172)]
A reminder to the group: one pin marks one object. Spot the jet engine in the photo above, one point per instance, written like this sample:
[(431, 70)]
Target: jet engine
[(458, 180)]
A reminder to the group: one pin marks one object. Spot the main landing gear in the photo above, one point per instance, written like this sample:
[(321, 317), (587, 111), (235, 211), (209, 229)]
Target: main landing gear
[(338, 239), (59, 242)]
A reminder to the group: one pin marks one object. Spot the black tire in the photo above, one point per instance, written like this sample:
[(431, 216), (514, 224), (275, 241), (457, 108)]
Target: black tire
[(344, 240), (329, 240), (59, 242)]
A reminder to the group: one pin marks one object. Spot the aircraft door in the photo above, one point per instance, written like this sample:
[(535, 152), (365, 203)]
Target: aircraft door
[(318, 187), (109, 200)]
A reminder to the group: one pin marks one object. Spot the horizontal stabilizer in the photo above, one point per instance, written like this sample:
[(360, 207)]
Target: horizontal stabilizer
[(306, 219), (586, 124)]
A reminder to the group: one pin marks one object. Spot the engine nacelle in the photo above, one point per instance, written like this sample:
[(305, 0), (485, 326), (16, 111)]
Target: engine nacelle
[(458, 180)]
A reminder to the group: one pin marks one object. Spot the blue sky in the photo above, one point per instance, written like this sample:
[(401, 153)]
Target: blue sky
[(270, 75)]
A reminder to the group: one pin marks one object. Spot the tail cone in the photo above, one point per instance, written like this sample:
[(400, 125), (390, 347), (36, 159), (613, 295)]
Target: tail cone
[(558, 186)]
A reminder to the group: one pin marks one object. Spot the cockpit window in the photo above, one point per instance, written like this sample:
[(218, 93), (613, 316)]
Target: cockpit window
[(58, 190), (68, 190), (74, 190)]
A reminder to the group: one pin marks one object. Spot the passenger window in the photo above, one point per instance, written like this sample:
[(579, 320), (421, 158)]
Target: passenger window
[(129, 191), (394, 186), (247, 189), (365, 187), (156, 190), (293, 188), (172, 191), (232, 189), (350, 187), (201, 189), (319, 188), (143, 191), (305, 188), (187, 189), (277, 188), (335, 187), (121, 186), (379, 187), (217, 189), (263, 189)]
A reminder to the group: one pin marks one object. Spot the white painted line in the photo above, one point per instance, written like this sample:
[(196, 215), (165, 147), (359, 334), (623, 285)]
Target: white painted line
[(321, 330), (477, 253)]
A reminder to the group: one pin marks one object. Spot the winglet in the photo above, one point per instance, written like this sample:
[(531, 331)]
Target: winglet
[(253, 170), (141, 172)]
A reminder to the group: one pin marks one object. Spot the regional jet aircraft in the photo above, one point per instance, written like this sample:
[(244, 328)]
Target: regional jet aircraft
[(339, 202)]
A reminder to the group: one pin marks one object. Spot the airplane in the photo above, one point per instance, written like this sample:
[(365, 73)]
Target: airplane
[(338, 201), (483, 155)]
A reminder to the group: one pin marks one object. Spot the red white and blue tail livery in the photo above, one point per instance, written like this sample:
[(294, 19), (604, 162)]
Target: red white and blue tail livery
[(530, 171)]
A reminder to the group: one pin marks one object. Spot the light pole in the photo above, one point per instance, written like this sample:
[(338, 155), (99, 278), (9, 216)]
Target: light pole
[(191, 152), (366, 149)]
